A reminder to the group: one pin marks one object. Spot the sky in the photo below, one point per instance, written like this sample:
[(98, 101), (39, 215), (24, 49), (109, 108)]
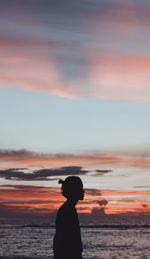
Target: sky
[(74, 100)]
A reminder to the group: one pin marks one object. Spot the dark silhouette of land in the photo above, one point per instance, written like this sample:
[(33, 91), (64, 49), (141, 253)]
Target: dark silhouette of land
[(67, 240)]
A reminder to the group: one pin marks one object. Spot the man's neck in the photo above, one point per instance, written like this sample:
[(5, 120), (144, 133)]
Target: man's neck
[(72, 202)]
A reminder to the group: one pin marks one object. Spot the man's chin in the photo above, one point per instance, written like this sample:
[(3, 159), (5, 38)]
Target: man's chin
[(82, 198)]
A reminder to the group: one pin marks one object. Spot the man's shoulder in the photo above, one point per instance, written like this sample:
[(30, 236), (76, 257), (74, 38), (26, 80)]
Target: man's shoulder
[(66, 208)]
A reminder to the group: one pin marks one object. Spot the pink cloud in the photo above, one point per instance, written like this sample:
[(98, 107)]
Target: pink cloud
[(111, 75), (120, 76), (29, 70)]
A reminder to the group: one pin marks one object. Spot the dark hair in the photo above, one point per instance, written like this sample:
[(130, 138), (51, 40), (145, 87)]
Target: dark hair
[(60, 181), (70, 186)]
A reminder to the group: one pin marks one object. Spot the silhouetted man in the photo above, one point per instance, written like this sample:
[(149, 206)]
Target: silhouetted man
[(67, 240)]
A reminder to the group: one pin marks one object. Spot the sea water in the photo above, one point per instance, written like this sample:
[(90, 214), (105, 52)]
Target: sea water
[(19, 242)]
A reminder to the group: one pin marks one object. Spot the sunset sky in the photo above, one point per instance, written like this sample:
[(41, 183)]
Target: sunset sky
[(74, 100)]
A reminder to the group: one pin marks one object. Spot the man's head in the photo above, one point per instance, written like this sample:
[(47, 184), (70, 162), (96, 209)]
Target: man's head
[(72, 188)]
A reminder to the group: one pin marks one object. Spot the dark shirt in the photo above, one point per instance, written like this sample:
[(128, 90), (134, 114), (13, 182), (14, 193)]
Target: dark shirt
[(67, 240)]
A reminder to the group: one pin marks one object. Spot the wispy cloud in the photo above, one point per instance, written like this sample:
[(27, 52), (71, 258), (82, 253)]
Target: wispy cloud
[(24, 158), (111, 76), (121, 76), (54, 51), (32, 72)]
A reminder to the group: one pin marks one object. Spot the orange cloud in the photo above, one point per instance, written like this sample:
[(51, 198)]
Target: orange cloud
[(31, 199), (126, 201), (43, 200), (30, 159), (125, 193), (121, 206)]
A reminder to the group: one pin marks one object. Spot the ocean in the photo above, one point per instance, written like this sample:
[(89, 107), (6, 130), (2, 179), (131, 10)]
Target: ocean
[(29, 242)]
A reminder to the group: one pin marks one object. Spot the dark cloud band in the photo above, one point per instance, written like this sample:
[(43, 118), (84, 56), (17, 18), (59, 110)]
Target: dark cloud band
[(17, 174)]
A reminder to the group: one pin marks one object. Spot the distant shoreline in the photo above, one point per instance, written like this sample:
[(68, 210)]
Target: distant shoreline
[(82, 226)]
